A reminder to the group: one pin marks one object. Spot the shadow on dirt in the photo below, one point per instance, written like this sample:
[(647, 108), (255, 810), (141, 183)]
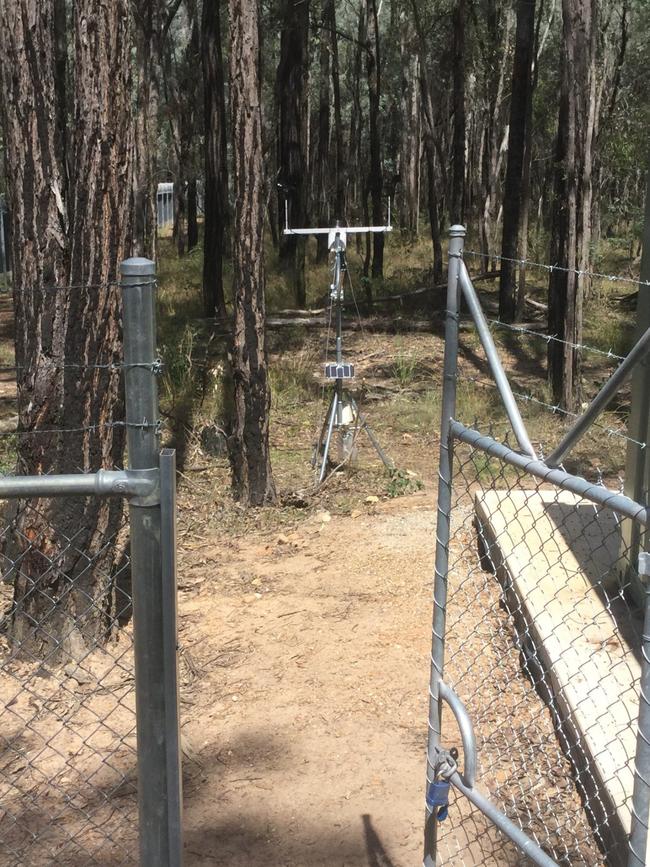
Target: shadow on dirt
[(377, 855), (215, 834)]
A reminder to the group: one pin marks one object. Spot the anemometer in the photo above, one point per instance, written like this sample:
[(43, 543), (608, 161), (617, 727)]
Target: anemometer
[(343, 415)]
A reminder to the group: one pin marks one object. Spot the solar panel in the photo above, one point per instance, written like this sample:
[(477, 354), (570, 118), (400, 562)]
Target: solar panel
[(339, 371)]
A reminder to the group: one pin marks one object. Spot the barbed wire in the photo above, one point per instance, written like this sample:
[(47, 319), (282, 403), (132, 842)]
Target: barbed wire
[(73, 287), (547, 338), (156, 426), (156, 366), (553, 408), (615, 278), (551, 338)]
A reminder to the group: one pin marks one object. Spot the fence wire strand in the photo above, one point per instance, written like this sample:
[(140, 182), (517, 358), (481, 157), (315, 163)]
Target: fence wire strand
[(527, 263), (551, 338), (464, 377), (75, 287)]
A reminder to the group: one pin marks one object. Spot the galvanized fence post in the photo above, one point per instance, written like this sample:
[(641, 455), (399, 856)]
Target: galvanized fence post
[(641, 792), (159, 799), (637, 464), (456, 243)]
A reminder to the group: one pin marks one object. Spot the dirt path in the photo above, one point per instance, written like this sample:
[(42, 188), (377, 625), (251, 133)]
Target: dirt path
[(304, 683)]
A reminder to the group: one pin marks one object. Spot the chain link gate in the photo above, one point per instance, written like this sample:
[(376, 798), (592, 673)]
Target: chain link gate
[(89, 728), (542, 753)]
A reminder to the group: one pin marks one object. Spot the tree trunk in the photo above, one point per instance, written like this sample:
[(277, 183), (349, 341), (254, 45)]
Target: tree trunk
[(458, 149), (37, 198), (249, 438), (179, 74), (292, 93), (339, 168), (512, 201), (428, 124), (434, 216), (324, 163), (355, 175), (492, 121), (180, 208), (100, 239), (192, 215), (375, 179), (147, 67), (409, 131), (571, 227), (526, 172), (216, 167), (67, 235)]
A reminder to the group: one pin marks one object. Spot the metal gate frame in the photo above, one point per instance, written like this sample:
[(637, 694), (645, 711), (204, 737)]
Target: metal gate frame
[(441, 763)]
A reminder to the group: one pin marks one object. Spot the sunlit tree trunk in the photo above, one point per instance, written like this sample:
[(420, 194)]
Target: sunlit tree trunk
[(249, 438), (67, 234)]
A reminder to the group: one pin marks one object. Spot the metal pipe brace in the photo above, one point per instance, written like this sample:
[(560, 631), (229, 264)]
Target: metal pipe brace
[(140, 487)]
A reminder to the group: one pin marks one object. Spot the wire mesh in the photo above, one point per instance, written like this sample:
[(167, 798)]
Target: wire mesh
[(67, 703), (543, 646)]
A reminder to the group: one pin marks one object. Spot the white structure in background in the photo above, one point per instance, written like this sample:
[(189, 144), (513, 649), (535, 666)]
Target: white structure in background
[(165, 205)]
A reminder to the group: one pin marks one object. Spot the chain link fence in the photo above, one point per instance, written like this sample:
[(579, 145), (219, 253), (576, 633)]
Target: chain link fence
[(543, 648), (89, 726), (539, 744), (67, 723)]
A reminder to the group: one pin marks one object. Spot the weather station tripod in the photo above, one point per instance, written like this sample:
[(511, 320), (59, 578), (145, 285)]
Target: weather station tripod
[(343, 415)]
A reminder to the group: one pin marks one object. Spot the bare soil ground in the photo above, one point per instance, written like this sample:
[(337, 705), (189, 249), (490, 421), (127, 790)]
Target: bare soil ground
[(305, 665)]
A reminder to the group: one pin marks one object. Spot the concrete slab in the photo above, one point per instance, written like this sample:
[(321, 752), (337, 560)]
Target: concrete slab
[(556, 557)]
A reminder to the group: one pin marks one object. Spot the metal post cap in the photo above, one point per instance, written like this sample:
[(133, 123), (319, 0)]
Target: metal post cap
[(457, 231), (136, 266)]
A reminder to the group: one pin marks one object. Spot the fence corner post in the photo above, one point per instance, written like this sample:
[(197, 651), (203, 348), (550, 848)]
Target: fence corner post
[(445, 471), (159, 798)]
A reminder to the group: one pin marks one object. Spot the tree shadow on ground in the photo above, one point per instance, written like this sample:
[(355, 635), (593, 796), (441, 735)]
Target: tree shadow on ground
[(224, 828), (377, 855), (58, 823)]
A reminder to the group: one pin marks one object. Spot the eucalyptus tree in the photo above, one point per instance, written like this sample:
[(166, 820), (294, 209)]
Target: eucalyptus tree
[(292, 124), (216, 209), (66, 113), (249, 435), (520, 118)]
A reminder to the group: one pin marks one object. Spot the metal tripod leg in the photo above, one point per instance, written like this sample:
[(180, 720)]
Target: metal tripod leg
[(318, 445), (328, 439), (371, 436)]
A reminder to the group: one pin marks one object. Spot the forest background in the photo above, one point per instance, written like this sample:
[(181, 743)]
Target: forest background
[(527, 121)]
